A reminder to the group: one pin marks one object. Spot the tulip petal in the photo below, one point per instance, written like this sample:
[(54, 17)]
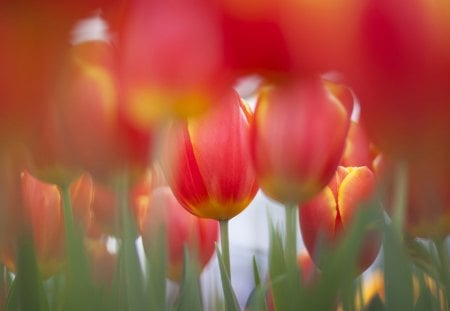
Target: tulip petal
[(356, 188)]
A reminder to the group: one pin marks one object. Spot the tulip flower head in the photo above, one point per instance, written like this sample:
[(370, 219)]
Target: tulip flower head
[(207, 162), (325, 217), (298, 137)]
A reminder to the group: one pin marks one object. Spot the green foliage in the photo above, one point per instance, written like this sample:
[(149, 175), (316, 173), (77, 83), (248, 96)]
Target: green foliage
[(416, 273)]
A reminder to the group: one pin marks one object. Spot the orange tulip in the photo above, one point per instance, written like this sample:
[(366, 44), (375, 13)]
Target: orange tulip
[(44, 220), (298, 137), (182, 229), (324, 218), (207, 160)]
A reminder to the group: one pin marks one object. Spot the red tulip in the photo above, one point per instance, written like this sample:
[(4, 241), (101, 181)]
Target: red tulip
[(107, 215), (298, 137), (44, 220), (358, 149), (253, 40), (324, 218), (320, 34), (401, 78), (85, 128), (207, 160), (171, 59), (182, 229), (427, 212)]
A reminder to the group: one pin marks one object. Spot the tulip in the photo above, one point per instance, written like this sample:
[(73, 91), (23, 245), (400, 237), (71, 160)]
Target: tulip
[(298, 137), (171, 60), (107, 217), (427, 212), (103, 263), (401, 78), (320, 34), (208, 166), (358, 149), (325, 218), (85, 128), (207, 162), (253, 39), (181, 229), (44, 220)]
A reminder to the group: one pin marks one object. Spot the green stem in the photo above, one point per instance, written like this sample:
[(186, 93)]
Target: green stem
[(291, 235), (400, 197), (225, 244), (68, 223), (442, 249)]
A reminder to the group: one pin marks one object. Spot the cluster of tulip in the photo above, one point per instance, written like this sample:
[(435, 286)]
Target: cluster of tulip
[(144, 135)]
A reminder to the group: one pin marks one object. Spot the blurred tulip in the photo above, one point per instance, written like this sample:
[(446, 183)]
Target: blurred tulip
[(325, 218), (44, 220), (401, 78), (207, 160), (107, 220), (298, 137), (320, 34), (103, 263), (12, 163), (85, 128), (35, 36), (427, 212), (253, 40), (181, 228), (171, 60), (358, 149)]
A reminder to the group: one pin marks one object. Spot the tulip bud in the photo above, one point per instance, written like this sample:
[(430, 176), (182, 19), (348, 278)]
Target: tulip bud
[(182, 229), (298, 137), (207, 160), (325, 218)]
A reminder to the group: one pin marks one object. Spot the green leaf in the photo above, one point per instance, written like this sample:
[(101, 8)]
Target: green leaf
[(422, 257), (277, 269), (30, 289), (231, 302), (190, 297), (257, 298), (79, 289), (131, 268), (156, 271), (12, 301), (339, 267), (397, 271), (256, 274)]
